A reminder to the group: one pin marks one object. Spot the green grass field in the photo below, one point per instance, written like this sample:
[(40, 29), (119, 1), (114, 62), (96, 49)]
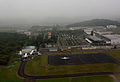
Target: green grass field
[(54, 80), (38, 66), (81, 79), (9, 74), (116, 30), (93, 79)]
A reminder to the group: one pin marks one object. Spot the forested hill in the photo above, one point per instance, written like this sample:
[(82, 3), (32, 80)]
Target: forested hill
[(95, 22), (9, 44)]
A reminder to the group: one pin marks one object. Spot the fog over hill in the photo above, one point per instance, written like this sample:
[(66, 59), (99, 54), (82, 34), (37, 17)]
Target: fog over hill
[(95, 22), (47, 21), (48, 12)]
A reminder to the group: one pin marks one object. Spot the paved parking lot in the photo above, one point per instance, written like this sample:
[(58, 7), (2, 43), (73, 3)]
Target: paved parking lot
[(77, 59)]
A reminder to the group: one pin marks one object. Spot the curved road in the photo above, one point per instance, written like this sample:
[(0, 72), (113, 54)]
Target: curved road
[(22, 74)]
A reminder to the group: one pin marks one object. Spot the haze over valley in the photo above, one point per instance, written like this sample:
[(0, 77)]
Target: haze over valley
[(49, 12)]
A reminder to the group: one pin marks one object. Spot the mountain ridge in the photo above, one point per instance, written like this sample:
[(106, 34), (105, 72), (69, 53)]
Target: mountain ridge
[(95, 22)]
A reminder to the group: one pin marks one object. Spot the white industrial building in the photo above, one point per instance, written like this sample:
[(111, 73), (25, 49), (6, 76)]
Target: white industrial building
[(115, 39), (94, 40), (53, 49), (103, 33), (99, 28), (77, 28), (88, 30), (27, 33), (111, 26)]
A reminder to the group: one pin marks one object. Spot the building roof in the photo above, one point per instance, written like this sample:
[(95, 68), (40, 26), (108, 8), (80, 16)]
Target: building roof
[(105, 33), (112, 37), (95, 38), (53, 49), (29, 47)]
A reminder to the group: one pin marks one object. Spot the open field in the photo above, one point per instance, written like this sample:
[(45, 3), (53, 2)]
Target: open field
[(116, 30), (9, 73), (81, 79), (54, 80), (117, 76), (93, 79), (39, 66)]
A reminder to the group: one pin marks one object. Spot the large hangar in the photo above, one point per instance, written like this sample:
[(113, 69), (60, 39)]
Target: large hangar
[(115, 39), (95, 40)]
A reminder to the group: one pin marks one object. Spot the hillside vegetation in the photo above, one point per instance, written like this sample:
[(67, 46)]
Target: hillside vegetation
[(9, 44), (95, 22)]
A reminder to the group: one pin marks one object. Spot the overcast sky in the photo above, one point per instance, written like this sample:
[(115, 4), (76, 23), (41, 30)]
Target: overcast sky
[(13, 12)]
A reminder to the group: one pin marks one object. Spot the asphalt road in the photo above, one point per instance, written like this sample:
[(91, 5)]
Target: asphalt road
[(22, 74)]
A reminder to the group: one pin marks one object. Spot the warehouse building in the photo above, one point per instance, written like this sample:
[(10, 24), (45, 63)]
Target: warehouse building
[(115, 39), (53, 49), (88, 30), (95, 40)]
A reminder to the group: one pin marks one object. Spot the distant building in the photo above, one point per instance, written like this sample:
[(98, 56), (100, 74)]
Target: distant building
[(103, 33), (28, 49), (71, 28), (99, 28), (53, 49), (48, 45), (27, 52), (49, 35), (87, 47), (20, 31), (27, 33), (77, 28), (115, 39), (88, 30), (111, 26), (95, 40)]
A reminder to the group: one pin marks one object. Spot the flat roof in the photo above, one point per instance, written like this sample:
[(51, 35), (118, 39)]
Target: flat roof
[(105, 33), (95, 38), (112, 37), (29, 47)]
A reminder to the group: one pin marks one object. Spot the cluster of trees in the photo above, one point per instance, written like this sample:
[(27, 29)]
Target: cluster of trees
[(9, 44), (41, 40), (12, 42)]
